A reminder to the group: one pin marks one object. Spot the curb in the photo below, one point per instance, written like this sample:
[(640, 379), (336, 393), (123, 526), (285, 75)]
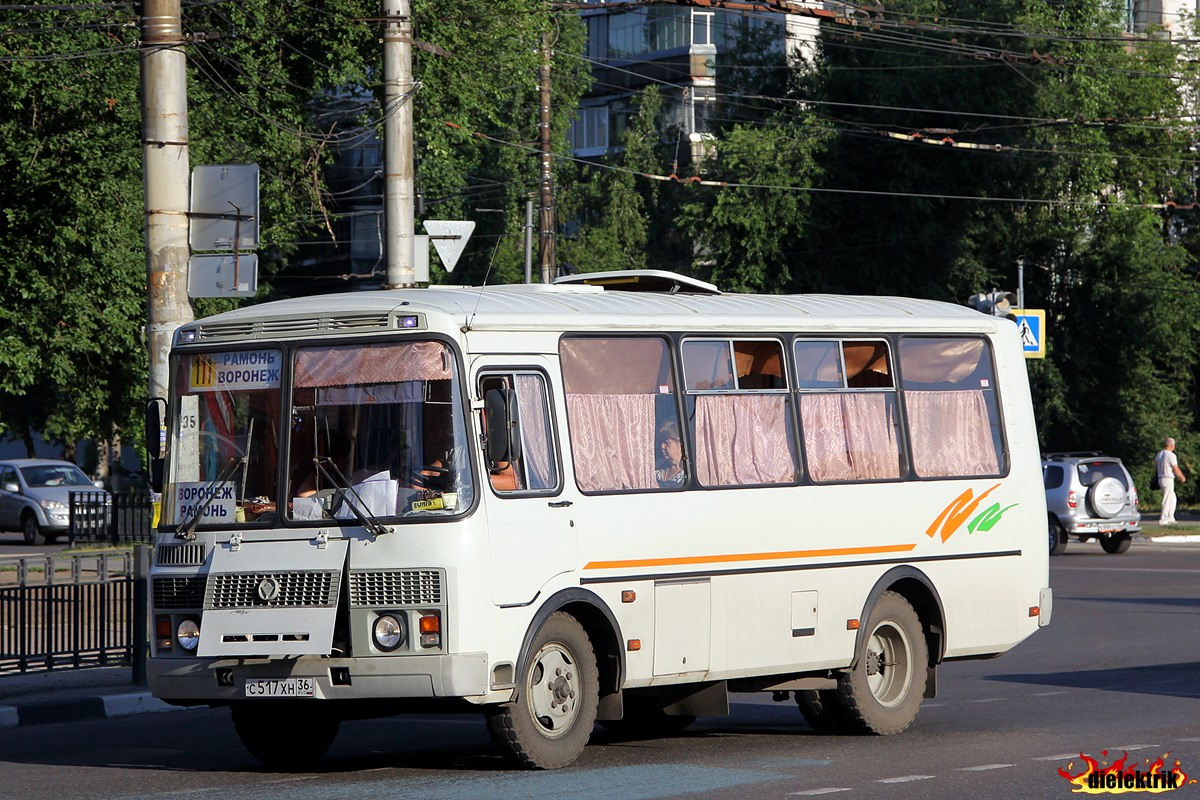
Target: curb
[(85, 708)]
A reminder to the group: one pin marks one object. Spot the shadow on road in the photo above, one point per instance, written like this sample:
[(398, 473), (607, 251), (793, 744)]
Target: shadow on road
[(1166, 680)]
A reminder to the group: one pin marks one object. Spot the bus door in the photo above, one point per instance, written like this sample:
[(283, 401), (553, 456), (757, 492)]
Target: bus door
[(530, 508)]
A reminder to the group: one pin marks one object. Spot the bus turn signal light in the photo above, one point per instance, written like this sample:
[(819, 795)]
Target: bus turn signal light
[(431, 630), (163, 633)]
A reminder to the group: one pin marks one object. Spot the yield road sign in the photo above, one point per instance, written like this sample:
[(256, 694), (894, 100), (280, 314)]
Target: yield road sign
[(449, 238), (1031, 322)]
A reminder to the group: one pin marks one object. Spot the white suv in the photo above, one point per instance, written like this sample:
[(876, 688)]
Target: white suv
[(1090, 496)]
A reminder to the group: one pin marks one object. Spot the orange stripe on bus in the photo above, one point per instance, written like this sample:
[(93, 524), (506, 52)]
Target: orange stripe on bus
[(678, 561)]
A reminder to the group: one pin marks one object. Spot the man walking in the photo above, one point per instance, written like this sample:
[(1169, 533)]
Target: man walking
[(1166, 466)]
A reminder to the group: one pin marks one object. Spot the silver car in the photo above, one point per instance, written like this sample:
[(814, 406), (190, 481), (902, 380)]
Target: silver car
[(1090, 496), (35, 497)]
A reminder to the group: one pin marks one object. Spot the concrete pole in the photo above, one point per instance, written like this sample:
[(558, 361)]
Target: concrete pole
[(546, 217), (166, 172), (398, 194)]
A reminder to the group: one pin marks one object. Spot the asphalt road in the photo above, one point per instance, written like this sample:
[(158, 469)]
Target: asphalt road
[(1117, 672)]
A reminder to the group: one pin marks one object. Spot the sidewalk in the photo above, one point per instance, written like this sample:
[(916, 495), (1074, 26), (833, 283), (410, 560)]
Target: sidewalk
[(70, 695)]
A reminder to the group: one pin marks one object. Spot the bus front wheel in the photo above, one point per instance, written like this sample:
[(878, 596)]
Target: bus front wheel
[(549, 722), (883, 692)]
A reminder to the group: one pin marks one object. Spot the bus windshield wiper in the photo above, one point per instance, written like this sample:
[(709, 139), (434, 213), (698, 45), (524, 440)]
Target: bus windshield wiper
[(357, 506), (187, 530)]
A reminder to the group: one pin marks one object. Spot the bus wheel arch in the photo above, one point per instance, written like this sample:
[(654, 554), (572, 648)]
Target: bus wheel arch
[(916, 588)]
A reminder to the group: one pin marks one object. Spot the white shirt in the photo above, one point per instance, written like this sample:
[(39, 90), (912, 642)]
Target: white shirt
[(1165, 463)]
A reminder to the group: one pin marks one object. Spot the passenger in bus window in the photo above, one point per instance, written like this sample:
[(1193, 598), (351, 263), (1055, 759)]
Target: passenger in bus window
[(675, 473)]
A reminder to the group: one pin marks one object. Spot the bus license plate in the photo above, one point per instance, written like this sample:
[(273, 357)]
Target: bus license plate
[(280, 687)]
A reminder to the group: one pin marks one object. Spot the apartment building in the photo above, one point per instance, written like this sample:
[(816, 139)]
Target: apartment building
[(681, 49)]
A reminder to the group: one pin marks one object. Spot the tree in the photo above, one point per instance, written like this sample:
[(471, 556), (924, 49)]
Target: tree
[(1075, 138), (263, 78)]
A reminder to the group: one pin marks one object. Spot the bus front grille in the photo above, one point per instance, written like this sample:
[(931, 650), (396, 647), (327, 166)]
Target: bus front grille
[(180, 555), (177, 593), (272, 590), (390, 588)]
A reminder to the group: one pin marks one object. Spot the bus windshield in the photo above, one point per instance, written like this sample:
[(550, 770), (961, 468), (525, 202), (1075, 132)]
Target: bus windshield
[(374, 430)]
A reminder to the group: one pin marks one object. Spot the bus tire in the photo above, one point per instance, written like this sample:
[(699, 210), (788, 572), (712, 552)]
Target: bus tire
[(549, 722), (1116, 543), (287, 735), (823, 711), (883, 692)]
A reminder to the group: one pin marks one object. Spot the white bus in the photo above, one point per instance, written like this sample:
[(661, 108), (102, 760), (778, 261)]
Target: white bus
[(618, 499)]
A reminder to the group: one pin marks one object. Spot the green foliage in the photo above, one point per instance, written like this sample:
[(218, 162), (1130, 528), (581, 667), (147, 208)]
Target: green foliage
[(1075, 151), (269, 83)]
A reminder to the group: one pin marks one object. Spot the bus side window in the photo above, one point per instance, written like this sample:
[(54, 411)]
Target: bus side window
[(953, 413), (613, 388), (739, 408), (848, 410), (532, 465)]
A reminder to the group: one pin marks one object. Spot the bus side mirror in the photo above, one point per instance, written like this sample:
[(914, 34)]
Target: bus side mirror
[(503, 425), (156, 412)]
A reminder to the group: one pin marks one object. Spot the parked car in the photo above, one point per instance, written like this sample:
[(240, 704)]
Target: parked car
[(35, 497), (1090, 496)]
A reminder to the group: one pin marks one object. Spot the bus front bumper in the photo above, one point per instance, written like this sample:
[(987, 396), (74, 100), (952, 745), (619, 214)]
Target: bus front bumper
[(225, 680)]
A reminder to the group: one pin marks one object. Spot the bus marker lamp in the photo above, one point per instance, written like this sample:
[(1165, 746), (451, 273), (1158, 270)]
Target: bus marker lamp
[(389, 632), (852, 624), (188, 634), (633, 645)]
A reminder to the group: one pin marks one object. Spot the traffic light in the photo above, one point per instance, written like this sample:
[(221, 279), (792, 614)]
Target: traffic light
[(998, 304)]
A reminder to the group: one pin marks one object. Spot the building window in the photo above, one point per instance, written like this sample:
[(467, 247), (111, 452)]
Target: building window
[(589, 131)]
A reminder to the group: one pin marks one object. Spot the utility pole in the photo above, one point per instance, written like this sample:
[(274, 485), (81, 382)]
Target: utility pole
[(165, 170), (546, 216), (398, 194)]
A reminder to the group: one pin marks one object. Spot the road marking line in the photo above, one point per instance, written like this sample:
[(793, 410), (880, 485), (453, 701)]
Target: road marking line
[(810, 792), (1135, 747), (984, 767), (1193, 739), (905, 779), (1049, 694), (987, 700), (1057, 758)]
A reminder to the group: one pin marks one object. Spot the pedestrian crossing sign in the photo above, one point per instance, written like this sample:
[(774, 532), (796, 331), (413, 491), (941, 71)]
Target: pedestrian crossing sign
[(1031, 322)]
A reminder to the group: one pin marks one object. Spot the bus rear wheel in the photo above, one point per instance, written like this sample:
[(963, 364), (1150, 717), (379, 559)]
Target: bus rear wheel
[(822, 709), (289, 735), (883, 692), (550, 721)]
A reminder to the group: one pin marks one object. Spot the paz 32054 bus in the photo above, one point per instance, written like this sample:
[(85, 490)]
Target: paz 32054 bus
[(619, 498)]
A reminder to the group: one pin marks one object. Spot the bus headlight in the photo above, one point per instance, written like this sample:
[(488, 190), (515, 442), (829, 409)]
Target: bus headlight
[(188, 634), (390, 632)]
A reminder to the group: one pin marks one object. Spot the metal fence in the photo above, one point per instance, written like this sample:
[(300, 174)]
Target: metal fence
[(119, 518), (71, 611)]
